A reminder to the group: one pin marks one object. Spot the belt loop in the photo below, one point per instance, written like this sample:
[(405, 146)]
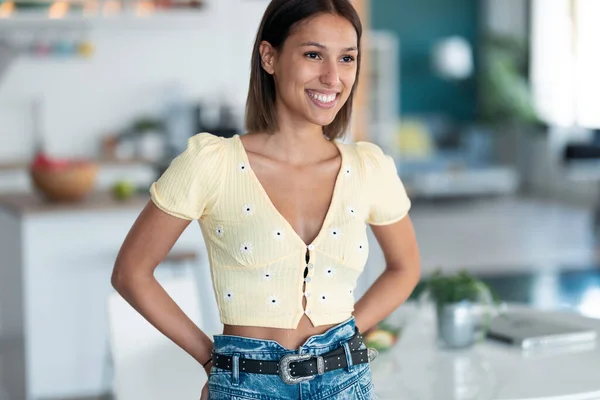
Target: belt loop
[(348, 356), (235, 369)]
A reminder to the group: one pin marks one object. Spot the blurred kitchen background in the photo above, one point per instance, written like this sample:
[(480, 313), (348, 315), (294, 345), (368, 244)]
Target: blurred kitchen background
[(491, 109)]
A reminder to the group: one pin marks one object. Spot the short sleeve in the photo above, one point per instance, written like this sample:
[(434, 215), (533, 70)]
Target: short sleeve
[(190, 185), (388, 200)]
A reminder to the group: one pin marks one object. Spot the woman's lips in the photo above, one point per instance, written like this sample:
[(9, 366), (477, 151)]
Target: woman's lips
[(323, 100)]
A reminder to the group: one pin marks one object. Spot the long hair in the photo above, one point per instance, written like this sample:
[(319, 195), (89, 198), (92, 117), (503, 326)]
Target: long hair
[(280, 19)]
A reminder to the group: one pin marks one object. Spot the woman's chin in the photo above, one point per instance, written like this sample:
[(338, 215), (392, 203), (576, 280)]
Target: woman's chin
[(322, 120)]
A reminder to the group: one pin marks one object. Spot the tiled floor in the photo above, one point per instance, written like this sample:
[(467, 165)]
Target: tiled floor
[(530, 251)]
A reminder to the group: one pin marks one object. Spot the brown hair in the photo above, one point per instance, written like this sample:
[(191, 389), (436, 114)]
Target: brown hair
[(279, 20)]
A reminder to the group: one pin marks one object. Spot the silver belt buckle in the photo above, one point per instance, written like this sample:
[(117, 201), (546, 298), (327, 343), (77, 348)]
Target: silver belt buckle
[(284, 368), (372, 353)]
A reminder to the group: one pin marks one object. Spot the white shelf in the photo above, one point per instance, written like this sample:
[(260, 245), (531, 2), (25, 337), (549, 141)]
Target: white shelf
[(177, 19)]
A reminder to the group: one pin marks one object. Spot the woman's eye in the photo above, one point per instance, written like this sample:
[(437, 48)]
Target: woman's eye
[(313, 55), (347, 59)]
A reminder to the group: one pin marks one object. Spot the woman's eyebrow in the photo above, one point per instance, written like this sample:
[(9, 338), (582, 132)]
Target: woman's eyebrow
[(321, 46)]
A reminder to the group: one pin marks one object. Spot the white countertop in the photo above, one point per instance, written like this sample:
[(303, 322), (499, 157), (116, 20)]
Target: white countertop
[(416, 369)]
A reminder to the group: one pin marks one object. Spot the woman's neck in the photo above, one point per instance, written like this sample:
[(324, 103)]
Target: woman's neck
[(297, 141), (297, 147)]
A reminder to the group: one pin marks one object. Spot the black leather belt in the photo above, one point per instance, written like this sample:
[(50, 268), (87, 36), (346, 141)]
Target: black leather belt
[(294, 368)]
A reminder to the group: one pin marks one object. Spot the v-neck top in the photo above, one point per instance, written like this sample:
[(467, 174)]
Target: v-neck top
[(259, 264)]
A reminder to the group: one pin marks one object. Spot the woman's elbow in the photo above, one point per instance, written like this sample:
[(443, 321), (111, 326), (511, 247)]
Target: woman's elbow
[(417, 276), (417, 267), (117, 279), (126, 276), (121, 280)]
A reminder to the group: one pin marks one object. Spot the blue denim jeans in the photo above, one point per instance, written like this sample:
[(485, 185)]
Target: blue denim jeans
[(351, 383)]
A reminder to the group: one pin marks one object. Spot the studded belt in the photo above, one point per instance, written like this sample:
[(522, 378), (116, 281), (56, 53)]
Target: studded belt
[(295, 368)]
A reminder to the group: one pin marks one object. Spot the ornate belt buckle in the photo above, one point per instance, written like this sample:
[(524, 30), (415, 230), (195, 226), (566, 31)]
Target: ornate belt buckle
[(284, 368), (372, 353)]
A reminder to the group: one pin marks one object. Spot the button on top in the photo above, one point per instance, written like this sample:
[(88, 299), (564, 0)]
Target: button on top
[(311, 246)]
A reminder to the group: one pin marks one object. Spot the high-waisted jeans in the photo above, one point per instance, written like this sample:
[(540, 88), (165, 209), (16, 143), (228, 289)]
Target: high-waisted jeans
[(353, 382)]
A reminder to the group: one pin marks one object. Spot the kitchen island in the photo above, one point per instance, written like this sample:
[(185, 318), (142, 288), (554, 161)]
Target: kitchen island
[(55, 266)]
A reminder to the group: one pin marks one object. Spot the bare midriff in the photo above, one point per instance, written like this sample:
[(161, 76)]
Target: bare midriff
[(288, 338)]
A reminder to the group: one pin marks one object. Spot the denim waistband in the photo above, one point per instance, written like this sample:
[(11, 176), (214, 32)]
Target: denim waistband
[(352, 382), (316, 344)]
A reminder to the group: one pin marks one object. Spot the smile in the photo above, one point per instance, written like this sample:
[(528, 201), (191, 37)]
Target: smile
[(323, 100)]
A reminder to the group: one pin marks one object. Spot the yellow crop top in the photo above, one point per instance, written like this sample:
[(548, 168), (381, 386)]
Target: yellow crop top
[(257, 261)]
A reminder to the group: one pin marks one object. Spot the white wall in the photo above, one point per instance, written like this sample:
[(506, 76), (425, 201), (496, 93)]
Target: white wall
[(134, 64)]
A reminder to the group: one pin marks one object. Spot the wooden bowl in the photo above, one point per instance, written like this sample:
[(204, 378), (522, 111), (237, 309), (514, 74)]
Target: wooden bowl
[(71, 182)]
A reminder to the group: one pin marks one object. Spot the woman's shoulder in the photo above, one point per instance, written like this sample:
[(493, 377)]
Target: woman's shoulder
[(367, 153), (205, 140), (205, 145), (369, 150), (204, 152), (191, 182)]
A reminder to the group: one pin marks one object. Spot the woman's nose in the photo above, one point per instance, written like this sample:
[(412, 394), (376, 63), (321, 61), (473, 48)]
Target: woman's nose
[(330, 75)]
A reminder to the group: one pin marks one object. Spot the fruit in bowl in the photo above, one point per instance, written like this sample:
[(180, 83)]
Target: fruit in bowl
[(62, 179), (123, 190)]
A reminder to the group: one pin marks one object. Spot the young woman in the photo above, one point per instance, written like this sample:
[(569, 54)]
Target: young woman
[(283, 210)]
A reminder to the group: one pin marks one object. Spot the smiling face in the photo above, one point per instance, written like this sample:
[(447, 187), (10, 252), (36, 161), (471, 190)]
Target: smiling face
[(314, 71)]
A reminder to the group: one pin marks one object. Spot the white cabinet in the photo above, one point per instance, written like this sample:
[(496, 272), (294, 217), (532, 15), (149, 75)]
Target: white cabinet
[(55, 278)]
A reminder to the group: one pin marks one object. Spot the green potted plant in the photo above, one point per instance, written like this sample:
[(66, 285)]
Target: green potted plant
[(458, 300), (505, 93)]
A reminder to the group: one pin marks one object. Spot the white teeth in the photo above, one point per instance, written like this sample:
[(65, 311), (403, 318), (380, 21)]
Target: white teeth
[(323, 98)]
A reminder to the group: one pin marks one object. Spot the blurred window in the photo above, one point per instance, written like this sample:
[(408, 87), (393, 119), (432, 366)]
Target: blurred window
[(565, 61)]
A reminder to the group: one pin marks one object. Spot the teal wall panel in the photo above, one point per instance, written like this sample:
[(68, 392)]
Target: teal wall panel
[(419, 24)]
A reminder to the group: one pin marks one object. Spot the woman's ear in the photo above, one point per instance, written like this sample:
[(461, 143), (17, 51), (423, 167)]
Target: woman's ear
[(267, 57)]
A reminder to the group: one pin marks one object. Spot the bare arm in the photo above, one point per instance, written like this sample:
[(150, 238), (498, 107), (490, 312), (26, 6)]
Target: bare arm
[(147, 244), (401, 275)]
